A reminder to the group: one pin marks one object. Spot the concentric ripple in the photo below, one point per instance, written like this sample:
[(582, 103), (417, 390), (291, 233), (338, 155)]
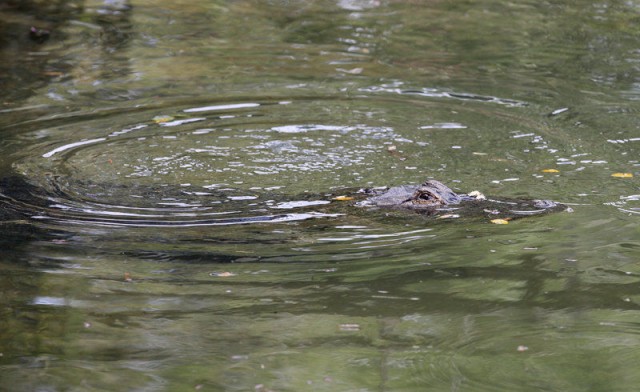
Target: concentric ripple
[(251, 161)]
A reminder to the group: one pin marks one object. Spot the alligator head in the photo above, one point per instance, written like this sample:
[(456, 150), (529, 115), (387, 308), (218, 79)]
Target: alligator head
[(431, 194)]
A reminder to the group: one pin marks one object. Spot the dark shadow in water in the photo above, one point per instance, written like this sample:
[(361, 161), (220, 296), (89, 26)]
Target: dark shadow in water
[(19, 201), (31, 33), (27, 31)]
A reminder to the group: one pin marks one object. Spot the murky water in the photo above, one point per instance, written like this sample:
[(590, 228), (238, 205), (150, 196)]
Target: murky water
[(170, 170)]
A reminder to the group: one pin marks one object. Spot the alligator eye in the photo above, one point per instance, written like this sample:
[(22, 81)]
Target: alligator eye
[(423, 197)]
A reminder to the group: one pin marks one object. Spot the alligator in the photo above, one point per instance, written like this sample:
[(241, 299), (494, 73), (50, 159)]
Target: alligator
[(433, 197), (122, 205)]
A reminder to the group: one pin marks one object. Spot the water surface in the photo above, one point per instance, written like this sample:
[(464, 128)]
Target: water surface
[(170, 169)]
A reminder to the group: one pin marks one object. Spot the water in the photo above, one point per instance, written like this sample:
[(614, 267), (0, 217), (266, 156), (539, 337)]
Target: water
[(170, 170)]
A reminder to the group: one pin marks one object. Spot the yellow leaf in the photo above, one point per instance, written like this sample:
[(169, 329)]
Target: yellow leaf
[(224, 274), (622, 175), (499, 221), (343, 198), (551, 171), (163, 119)]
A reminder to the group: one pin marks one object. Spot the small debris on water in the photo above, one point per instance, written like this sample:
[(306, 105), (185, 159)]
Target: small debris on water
[(622, 175), (350, 327), (342, 198), (477, 195), (162, 119), (223, 274), (522, 348), (551, 171), (500, 221), (559, 111), (449, 216), (393, 150)]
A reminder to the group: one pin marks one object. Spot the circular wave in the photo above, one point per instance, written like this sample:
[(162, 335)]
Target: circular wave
[(224, 163)]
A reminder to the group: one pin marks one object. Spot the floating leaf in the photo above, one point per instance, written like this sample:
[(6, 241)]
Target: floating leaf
[(449, 216), (622, 175), (163, 119), (500, 221), (224, 274), (342, 198), (551, 171)]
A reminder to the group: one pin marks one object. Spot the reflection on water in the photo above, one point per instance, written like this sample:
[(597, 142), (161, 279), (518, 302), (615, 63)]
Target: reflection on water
[(177, 180)]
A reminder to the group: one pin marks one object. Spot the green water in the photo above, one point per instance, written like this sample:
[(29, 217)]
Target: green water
[(137, 136)]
